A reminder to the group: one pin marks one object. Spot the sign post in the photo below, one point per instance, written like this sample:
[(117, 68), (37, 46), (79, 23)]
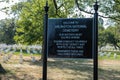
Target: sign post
[(95, 43), (45, 43)]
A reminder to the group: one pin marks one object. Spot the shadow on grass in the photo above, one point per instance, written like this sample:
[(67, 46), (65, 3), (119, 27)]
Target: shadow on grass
[(78, 67), (37, 62), (12, 76), (16, 73), (8, 75), (82, 68), (109, 74)]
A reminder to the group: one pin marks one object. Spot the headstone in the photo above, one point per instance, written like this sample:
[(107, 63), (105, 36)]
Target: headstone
[(33, 59), (4, 58), (14, 49), (28, 51), (21, 50), (101, 54), (115, 55), (21, 57), (10, 55), (34, 51), (105, 53), (108, 55)]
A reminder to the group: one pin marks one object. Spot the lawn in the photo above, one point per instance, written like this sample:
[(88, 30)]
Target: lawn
[(60, 69), (111, 57)]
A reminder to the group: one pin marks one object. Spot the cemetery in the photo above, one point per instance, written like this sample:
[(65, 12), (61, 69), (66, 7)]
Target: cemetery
[(23, 62)]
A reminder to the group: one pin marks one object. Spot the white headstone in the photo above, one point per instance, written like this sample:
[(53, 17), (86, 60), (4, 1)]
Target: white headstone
[(33, 59), (108, 55), (10, 55), (115, 55), (102, 54), (34, 51), (4, 58), (20, 50), (21, 59), (28, 51)]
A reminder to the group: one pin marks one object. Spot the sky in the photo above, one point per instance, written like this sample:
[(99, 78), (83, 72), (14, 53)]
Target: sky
[(3, 15)]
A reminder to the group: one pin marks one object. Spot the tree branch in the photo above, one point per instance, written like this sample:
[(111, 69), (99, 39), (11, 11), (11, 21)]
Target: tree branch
[(77, 4), (55, 4), (60, 6)]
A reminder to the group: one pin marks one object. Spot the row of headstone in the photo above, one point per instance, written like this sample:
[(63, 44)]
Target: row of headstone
[(7, 57), (29, 49), (102, 54), (8, 50), (109, 48)]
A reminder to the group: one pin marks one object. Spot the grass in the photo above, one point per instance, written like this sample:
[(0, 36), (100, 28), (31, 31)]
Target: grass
[(82, 69), (111, 57), (27, 54), (61, 68)]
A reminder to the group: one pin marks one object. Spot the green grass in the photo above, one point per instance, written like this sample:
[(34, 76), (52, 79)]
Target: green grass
[(26, 54), (111, 57)]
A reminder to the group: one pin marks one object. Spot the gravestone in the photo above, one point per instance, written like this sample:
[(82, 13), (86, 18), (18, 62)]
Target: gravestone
[(21, 56), (115, 55), (109, 54)]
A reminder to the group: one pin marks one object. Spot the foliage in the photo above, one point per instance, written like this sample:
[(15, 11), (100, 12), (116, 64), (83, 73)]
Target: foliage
[(30, 16), (30, 22), (101, 38), (7, 31), (116, 10), (111, 36)]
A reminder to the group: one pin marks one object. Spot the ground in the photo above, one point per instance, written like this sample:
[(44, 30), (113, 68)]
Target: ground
[(59, 69)]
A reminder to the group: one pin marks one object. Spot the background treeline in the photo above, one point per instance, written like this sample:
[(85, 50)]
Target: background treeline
[(26, 24)]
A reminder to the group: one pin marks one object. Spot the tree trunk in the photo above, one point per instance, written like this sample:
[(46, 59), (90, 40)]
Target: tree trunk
[(2, 70)]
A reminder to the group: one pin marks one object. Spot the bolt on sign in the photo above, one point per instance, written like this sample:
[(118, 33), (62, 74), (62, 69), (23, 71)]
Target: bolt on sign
[(70, 38)]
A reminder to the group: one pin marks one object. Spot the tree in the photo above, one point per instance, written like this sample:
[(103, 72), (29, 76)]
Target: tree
[(2, 70), (112, 36), (116, 10), (7, 31), (30, 22), (101, 37), (31, 11)]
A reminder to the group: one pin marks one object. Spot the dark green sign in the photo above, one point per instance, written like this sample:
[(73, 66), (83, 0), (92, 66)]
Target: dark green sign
[(70, 38)]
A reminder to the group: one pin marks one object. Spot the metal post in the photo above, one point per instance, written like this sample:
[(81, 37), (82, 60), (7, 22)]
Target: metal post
[(45, 42), (96, 41)]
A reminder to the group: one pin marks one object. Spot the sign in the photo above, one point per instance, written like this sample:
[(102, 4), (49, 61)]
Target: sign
[(70, 38)]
